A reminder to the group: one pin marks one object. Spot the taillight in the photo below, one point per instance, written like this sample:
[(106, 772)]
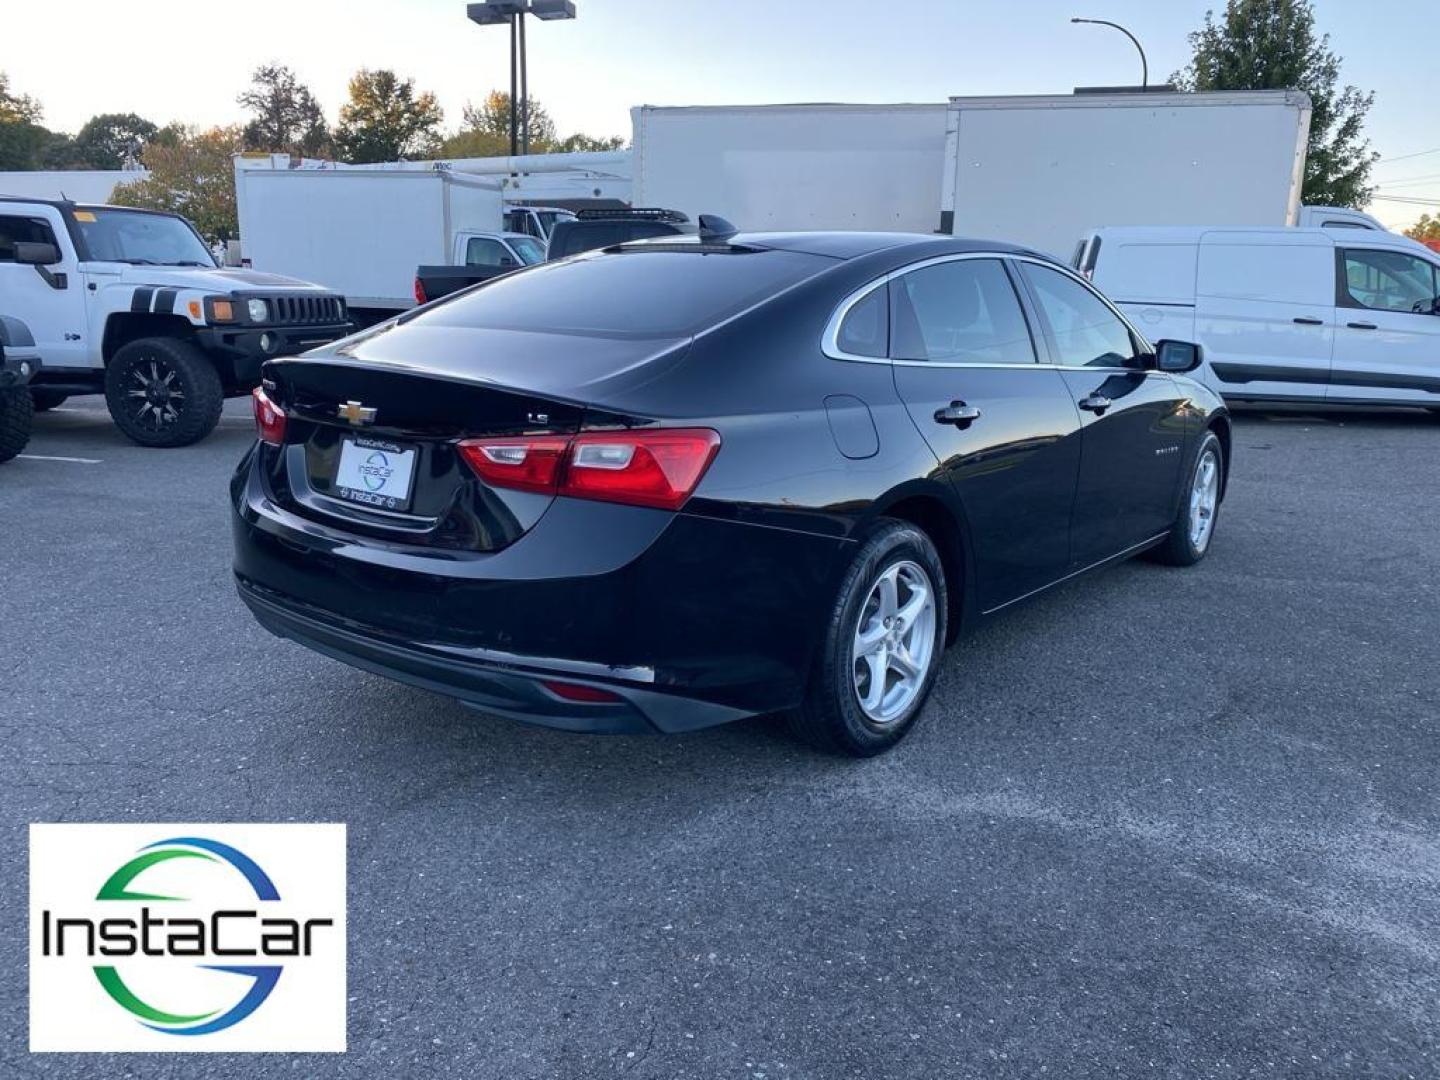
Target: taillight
[(419, 291), (658, 468), (269, 418), (644, 468), (526, 463)]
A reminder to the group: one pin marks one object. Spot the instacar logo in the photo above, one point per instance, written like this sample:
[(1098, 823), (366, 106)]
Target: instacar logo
[(184, 943)]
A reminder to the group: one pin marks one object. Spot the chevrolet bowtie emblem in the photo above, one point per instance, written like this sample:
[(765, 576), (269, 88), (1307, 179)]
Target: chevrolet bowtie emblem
[(355, 413)]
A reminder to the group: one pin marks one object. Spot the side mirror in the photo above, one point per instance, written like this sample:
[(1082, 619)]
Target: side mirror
[(36, 254), (1177, 356)]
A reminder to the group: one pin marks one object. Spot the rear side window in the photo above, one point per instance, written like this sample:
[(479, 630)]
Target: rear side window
[(866, 328), (963, 311), (482, 251), (1083, 331), (1391, 281), (15, 229), (645, 293)]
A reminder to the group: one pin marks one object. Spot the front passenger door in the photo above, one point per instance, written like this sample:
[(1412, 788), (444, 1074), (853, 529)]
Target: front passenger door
[(1133, 419)]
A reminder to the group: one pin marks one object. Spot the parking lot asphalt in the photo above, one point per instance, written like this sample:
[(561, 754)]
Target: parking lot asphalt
[(1159, 822)]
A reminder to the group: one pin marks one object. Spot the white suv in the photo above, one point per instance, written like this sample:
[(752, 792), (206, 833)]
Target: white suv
[(130, 303)]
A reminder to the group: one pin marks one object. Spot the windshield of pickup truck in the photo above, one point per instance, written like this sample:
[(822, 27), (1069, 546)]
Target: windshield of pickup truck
[(531, 251), (131, 236)]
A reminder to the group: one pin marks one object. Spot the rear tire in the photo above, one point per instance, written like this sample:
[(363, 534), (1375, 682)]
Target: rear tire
[(45, 400), (15, 413), (163, 392), (882, 647), (1194, 528)]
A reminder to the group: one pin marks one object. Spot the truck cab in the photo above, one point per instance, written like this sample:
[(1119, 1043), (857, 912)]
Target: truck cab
[(536, 221), (477, 257), (131, 304)]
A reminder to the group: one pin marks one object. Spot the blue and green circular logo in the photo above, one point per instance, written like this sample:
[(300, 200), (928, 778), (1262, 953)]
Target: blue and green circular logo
[(189, 937)]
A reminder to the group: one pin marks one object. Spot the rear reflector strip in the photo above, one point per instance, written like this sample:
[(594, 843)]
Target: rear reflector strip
[(591, 695)]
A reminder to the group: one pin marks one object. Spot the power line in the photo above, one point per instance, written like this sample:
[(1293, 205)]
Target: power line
[(1408, 200), (1409, 181), (1407, 157)]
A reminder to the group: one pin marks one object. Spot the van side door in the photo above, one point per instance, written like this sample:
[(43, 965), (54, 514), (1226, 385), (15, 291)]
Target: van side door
[(1265, 313), (1387, 334)]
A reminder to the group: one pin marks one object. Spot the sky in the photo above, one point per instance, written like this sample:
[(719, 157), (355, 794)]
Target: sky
[(187, 59)]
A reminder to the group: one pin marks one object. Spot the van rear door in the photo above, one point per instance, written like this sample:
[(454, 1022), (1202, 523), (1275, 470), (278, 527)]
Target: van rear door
[(1150, 275), (1265, 312)]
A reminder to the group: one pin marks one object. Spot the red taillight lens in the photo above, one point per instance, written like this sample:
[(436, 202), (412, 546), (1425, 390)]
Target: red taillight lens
[(420, 291), (529, 463), (657, 468), (269, 418), (643, 468)]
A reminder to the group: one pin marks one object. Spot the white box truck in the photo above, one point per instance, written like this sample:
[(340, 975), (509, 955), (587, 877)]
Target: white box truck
[(1039, 171), (1042, 171), (363, 232), (867, 167)]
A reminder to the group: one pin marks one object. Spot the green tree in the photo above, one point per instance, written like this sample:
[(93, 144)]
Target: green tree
[(112, 141), (1272, 45), (486, 132), (386, 120), (22, 140), (191, 173), (286, 117), (1426, 230)]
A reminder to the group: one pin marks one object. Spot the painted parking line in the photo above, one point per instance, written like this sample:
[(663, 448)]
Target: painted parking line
[(50, 457)]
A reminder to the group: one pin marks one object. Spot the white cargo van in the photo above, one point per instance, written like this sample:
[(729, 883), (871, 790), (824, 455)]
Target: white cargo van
[(1342, 315)]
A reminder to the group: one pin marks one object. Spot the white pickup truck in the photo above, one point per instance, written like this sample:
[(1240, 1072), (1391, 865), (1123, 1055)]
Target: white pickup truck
[(130, 303)]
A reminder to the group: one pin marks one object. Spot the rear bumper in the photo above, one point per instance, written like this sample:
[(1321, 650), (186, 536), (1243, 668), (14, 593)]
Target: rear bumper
[(692, 621), (506, 684)]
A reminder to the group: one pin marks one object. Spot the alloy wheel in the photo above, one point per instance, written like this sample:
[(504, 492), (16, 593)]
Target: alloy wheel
[(1204, 497), (894, 641)]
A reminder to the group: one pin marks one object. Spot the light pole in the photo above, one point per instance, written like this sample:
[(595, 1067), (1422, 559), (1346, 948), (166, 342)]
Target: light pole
[(513, 12), (1144, 67)]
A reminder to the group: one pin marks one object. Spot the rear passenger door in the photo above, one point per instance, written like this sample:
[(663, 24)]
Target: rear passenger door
[(1133, 418), (1265, 313), (1002, 426), (1387, 334)]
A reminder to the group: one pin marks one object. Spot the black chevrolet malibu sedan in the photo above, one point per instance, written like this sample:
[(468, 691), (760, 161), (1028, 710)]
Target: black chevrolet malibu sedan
[(677, 482)]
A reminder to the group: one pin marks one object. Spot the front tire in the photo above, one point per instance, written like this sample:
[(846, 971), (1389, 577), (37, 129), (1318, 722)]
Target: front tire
[(1194, 528), (882, 648), (15, 413), (45, 400), (163, 392)]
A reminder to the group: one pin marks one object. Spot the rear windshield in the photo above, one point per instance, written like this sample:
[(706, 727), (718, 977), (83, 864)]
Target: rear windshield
[(634, 294)]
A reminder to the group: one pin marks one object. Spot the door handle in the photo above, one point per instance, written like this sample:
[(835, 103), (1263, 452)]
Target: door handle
[(1096, 403), (1361, 325), (1303, 321), (957, 413)]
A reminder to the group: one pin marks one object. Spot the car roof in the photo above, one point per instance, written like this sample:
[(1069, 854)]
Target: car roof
[(850, 245)]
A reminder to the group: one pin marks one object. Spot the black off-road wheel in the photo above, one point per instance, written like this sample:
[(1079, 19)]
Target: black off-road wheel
[(45, 400), (15, 413), (163, 392), (882, 648)]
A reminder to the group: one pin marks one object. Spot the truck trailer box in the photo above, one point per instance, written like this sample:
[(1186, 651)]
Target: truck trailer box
[(1045, 170), (360, 232), (869, 167)]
